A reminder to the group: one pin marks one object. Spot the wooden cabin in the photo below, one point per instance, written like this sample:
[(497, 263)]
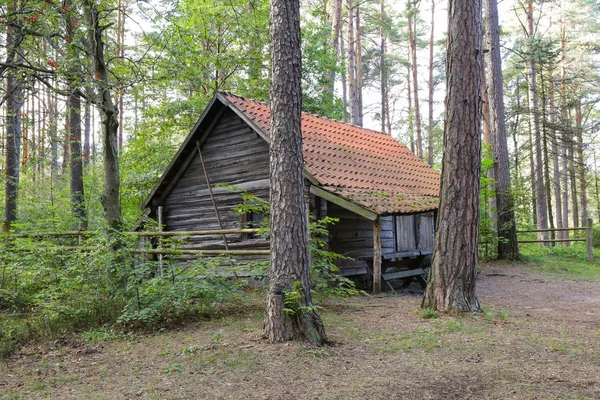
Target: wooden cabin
[(384, 196)]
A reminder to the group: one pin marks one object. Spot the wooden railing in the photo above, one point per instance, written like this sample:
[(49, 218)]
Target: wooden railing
[(82, 234), (588, 237)]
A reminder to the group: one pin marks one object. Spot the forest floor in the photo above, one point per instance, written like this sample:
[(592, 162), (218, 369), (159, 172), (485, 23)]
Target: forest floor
[(539, 338)]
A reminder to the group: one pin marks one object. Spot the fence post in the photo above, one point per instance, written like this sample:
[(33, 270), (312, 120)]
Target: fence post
[(588, 241)]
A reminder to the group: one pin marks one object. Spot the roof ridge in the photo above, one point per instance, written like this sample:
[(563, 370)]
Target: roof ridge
[(228, 93)]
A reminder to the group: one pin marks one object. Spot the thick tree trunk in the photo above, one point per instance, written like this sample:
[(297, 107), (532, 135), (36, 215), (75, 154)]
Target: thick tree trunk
[(14, 103), (451, 285), (290, 313), (108, 119), (540, 194), (431, 87), (412, 41)]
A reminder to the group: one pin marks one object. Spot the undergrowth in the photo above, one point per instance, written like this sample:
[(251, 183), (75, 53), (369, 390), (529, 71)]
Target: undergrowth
[(49, 290)]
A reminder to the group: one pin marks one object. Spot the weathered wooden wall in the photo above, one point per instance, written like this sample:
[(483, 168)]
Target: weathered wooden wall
[(233, 154), (352, 236)]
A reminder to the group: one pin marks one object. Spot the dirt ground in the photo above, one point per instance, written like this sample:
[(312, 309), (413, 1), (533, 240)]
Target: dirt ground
[(538, 339)]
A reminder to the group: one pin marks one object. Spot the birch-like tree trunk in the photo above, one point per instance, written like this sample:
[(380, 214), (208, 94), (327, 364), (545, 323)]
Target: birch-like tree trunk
[(451, 284), (109, 115), (74, 113), (14, 104), (290, 313)]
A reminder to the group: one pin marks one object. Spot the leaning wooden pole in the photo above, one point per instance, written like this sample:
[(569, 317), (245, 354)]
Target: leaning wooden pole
[(212, 196)]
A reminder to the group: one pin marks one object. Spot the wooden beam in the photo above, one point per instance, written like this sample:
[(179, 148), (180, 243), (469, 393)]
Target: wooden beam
[(551, 230), (405, 274), (248, 186), (376, 256), (348, 205)]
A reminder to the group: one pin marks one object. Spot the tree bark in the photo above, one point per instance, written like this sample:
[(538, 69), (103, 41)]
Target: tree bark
[(540, 194), (581, 161), (431, 87), (451, 285), (14, 103), (352, 91), (487, 141), (564, 117), (555, 163), (508, 247), (108, 118), (412, 41), (383, 69), (336, 25), (290, 314), (74, 113), (358, 67), (411, 127)]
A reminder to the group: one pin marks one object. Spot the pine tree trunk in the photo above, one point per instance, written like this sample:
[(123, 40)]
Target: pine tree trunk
[(540, 194), (564, 116), (451, 284), (431, 87), (508, 247), (289, 312), (412, 40), (352, 91), (14, 102), (358, 67), (336, 25), (581, 162), (411, 126), (555, 164), (546, 153), (382, 67), (487, 141)]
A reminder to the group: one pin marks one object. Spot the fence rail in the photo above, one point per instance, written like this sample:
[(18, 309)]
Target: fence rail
[(588, 237), (79, 234)]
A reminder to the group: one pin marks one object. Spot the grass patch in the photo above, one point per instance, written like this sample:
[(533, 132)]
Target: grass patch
[(569, 262)]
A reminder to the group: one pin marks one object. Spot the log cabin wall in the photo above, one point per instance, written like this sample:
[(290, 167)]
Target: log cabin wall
[(352, 236), (234, 154)]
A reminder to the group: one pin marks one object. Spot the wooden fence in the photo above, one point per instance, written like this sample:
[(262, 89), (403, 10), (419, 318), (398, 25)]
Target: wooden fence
[(209, 252), (588, 237)]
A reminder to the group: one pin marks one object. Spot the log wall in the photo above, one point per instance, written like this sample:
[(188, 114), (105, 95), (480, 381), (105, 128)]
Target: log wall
[(233, 154)]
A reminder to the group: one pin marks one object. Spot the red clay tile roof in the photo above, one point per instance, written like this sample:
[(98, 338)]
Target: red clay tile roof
[(368, 168)]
